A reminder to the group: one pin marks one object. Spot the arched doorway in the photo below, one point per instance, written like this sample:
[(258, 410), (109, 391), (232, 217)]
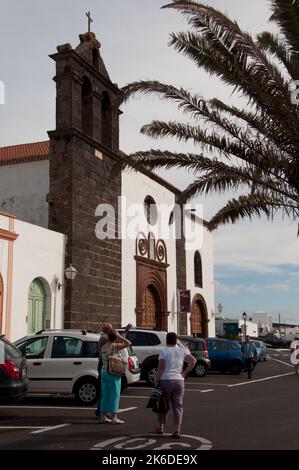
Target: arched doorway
[(36, 319), (199, 317), (150, 309), (1, 303)]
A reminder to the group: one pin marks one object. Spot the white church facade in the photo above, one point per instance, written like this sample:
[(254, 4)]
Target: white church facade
[(54, 188)]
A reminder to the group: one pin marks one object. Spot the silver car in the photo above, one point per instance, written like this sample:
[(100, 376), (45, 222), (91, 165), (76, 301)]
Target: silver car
[(66, 362)]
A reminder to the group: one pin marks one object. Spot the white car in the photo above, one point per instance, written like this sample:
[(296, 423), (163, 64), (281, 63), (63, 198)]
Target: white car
[(66, 362), (147, 345)]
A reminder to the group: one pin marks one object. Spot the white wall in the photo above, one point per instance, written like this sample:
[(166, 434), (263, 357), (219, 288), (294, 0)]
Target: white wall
[(37, 253), (263, 319), (136, 186), (207, 291), (23, 190)]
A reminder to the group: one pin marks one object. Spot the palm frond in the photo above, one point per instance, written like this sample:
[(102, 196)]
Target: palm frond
[(286, 16), (251, 206), (278, 48)]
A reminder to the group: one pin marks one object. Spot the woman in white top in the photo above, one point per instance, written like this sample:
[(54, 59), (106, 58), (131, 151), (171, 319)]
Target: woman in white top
[(171, 377)]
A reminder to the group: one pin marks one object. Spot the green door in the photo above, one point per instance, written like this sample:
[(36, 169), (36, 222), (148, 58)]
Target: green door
[(36, 307)]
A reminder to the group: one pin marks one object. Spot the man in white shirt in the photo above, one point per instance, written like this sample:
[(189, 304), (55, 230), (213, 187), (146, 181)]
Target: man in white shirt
[(295, 353)]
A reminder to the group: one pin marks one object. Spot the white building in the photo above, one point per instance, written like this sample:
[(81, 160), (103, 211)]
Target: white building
[(31, 265), (285, 331), (264, 321), (233, 327)]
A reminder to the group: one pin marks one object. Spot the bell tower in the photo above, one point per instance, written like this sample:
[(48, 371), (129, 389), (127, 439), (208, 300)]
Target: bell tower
[(84, 147)]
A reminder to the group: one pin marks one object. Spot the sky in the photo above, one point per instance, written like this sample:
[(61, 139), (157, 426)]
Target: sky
[(255, 263)]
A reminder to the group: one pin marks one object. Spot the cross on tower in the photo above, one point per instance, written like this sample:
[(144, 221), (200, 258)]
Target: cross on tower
[(90, 20)]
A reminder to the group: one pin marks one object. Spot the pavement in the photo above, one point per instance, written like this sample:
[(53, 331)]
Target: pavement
[(221, 412)]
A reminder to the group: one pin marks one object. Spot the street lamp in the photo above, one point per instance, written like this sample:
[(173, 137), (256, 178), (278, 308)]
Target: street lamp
[(244, 318), (70, 273)]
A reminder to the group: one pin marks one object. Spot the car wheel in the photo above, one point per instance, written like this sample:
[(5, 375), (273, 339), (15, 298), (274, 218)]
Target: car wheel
[(86, 391), (265, 358), (235, 368), (151, 373), (200, 369)]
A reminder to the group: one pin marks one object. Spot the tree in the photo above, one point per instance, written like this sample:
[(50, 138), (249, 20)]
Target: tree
[(255, 148)]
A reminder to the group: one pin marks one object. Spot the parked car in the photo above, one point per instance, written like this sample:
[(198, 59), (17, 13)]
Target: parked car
[(199, 350), (225, 355), (13, 373), (66, 362), (261, 350), (147, 344)]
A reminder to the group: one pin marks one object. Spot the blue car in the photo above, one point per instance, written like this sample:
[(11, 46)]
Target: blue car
[(225, 355), (261, 350)]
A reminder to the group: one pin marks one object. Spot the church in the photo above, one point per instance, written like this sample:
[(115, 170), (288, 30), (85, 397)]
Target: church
[(62, 188)]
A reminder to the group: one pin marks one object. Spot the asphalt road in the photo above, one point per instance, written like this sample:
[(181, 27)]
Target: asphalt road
[(221, 412)]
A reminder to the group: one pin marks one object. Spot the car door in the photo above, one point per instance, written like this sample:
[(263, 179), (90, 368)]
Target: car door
[(64, 364), (36, 351), (219, 354)]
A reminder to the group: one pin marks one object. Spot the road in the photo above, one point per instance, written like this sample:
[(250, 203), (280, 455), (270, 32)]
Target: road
[(221, 412)]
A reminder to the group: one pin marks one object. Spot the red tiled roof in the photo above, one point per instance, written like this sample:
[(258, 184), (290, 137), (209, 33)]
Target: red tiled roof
[(24, 153)]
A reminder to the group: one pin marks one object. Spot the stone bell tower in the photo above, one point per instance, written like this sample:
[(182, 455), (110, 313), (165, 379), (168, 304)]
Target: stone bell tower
[(84, 148)]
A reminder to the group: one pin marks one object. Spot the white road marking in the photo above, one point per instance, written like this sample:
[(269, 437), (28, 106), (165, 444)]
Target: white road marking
[(39, 428), (134, 396), (282, 362), (147, 441), (127, 409), (50, 428), (206, 383), (186, 390), (59, 408), (260, 380)]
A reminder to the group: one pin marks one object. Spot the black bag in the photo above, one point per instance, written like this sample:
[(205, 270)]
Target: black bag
[(158, 401)]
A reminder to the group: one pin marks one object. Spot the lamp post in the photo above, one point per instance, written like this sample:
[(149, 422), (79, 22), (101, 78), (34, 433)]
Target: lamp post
[(244, 318)]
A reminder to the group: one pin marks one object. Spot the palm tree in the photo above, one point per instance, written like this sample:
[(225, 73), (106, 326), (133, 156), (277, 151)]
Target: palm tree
[(255, 148)]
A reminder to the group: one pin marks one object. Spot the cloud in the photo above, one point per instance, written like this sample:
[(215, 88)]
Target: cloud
[(224, 289), (259, 246), (283, 287)]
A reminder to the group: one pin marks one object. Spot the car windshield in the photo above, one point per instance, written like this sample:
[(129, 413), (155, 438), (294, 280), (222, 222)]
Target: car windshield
[(257, 343)]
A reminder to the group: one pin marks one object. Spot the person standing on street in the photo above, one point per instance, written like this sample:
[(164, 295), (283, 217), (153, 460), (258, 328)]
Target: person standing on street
[(102, 341), (295, 353), (170, 377), (249, 353), (111, 384)]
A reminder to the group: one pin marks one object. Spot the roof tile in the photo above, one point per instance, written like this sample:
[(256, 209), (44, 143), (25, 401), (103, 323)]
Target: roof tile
[(24, 153)]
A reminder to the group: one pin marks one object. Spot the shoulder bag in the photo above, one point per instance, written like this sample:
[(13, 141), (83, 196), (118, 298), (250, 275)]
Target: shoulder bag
[(116, 365)]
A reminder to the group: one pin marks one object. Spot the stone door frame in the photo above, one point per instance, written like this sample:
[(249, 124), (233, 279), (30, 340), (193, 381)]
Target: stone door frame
[(198, 298)]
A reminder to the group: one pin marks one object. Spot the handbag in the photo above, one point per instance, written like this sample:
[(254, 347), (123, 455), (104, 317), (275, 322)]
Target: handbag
[(116, 365), (158, 401)]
